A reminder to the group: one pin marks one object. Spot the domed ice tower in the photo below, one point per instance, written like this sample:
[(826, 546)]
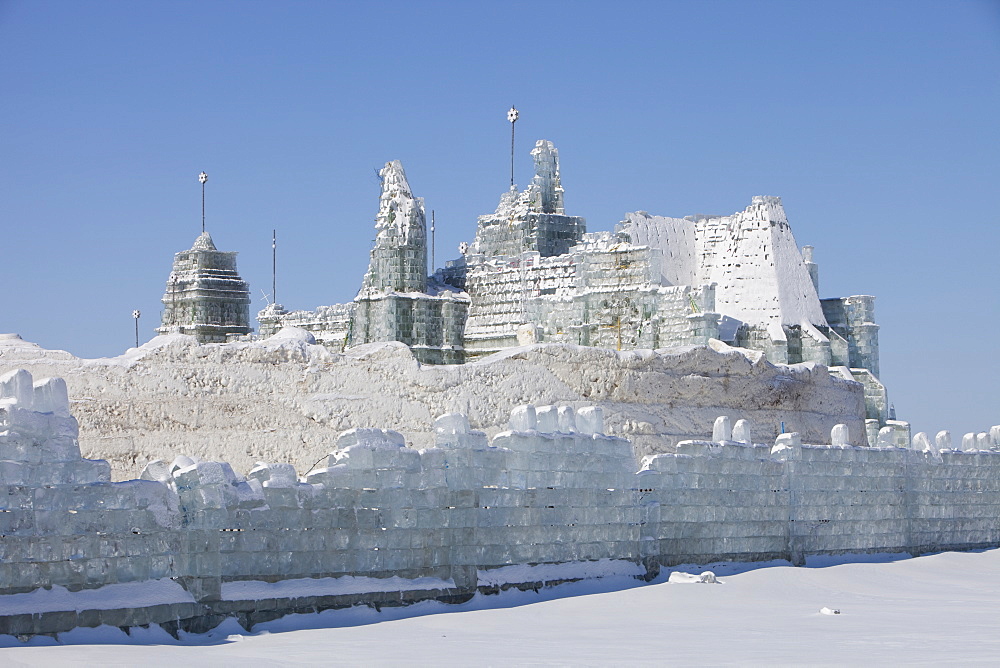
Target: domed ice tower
[(205, 295)]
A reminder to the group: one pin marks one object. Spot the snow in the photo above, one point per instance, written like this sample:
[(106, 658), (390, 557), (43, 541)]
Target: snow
[(750, 255), (245, 590), (566, 571), (924, 611), (679, 577), (290, 399), (109, 597)]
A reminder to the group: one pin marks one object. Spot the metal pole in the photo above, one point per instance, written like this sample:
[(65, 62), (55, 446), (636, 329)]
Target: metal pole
[(135, 315), (203, 177), (433, 266), (512, 156), (274, 266), (512, 117)]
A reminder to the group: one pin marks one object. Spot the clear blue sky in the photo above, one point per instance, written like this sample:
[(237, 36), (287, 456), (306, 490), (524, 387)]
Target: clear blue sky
[(877, 122)]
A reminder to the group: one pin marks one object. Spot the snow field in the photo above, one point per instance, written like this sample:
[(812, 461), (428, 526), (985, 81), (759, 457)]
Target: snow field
[(929, 610)]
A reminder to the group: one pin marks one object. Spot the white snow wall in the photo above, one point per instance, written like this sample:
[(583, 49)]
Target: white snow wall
[(751, 256), (551, 489)]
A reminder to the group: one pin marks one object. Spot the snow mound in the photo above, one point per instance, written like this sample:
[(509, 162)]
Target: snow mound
[(708, 577)]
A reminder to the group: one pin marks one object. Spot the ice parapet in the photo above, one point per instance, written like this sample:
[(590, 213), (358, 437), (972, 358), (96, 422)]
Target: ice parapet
[(547, 491)]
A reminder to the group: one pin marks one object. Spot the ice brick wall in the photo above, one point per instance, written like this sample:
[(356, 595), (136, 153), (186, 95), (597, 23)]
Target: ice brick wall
[(711, 502), (61, 520), (553, 488), (731, 500)]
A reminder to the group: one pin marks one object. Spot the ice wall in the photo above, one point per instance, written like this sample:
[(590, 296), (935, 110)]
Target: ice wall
[(381, 523)]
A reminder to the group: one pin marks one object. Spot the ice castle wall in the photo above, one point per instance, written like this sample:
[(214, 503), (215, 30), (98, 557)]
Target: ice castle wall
[(381, 523)]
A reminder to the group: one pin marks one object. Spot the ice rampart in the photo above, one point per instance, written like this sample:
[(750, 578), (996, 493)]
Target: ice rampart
[(550, 498)]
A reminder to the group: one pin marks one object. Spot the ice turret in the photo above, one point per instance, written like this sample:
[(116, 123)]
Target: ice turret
[(205, 295), (395, 302), (533, 220), (399, 258)]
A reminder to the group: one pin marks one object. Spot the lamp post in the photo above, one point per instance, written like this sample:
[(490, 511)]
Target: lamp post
[(136, 314), (512, 117), (202, 178)]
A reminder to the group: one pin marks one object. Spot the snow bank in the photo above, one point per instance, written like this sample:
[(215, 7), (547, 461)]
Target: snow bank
[(285, 399)]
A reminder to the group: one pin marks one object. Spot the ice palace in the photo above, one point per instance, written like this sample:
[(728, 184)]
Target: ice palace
[(537, 411)]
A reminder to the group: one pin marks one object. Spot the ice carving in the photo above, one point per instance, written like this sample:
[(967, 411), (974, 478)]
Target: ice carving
[(721, 430), (205, 295), (943, 440), (567, 419), (548, 419), (17, 385), (157, 470), (523, 418), (385, 513), (922, 443), (590, 420), (399, 259), (452, 431), (741, 432), (787, 446), (274, 475)]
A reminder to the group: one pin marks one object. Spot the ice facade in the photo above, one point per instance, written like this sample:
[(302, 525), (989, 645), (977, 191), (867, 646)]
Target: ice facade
[(205, 295), (534, 274), (380, 523)]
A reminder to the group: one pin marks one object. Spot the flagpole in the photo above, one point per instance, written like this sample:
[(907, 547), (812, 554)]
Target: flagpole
[(512, 117), (202, 178)]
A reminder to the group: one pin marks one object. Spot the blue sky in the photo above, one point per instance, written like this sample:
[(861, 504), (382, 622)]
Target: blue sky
[(875, 121)]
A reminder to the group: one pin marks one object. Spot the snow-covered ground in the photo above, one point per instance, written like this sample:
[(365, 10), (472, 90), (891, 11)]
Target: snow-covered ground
[(929, 610)]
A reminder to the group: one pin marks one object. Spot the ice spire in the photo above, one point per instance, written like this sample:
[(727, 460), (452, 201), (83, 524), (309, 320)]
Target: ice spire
[(546, 191), (399, 258)]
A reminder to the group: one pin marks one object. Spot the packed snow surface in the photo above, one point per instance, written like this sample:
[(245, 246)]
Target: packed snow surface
[(109, 597), (930, 610), (285, 399)]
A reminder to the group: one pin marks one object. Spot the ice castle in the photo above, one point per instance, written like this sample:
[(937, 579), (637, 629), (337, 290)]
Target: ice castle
[(534, 274)]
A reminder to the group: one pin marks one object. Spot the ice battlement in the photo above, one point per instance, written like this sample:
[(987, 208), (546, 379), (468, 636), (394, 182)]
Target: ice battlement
[(379, 521)]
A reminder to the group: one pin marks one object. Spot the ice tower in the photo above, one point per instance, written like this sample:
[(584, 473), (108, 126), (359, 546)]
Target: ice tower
[(399, 258), (533, 220), (205, 295)]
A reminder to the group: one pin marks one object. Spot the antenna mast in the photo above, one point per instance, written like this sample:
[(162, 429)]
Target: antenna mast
[(202, 178), (512, 117)]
